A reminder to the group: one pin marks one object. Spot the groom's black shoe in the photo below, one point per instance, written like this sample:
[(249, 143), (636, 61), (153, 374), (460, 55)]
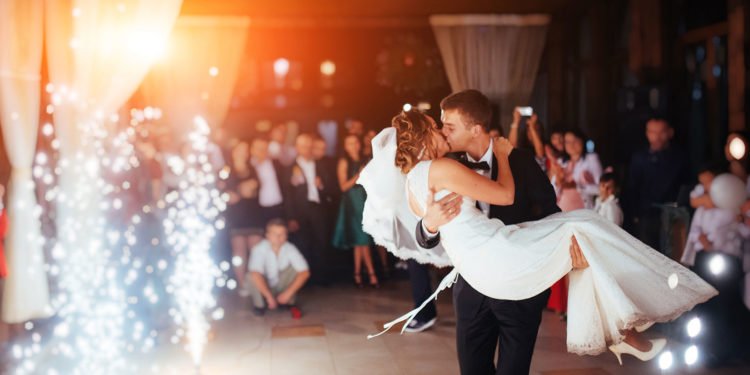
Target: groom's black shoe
[(419, 326)]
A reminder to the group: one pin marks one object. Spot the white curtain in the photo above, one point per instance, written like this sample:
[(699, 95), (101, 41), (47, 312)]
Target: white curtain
[(25, 294), (496, 54), (101, 50), (198, 74), (98, 52)]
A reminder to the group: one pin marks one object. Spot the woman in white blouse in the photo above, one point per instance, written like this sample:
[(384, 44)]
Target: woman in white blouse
[(576, 180)]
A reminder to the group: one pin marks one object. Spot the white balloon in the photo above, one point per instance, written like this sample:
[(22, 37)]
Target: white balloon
[(728, 191)]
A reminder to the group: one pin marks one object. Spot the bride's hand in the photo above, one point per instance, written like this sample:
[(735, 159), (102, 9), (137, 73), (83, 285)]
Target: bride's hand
[(501, 146)]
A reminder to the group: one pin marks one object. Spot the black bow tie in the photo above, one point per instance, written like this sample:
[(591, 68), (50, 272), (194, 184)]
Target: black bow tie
[(481, 166)]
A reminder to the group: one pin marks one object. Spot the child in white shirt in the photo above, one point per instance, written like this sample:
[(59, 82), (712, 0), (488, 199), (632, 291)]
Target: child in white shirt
[(607, 203)]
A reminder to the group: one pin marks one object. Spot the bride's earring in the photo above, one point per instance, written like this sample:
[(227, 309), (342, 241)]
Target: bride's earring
[(421, 153)]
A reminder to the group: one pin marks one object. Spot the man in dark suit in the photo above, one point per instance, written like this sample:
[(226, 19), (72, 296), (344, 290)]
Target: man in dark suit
[(483, 323), (269, 201), (308, 195)]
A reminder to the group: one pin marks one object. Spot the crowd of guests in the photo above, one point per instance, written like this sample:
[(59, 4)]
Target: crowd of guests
[(298, 191)]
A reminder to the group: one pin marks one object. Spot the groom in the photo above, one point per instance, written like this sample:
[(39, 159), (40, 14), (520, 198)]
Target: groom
[(483, 323)]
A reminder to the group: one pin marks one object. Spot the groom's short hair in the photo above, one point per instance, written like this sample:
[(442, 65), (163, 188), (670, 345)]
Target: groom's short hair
[(474, 106)]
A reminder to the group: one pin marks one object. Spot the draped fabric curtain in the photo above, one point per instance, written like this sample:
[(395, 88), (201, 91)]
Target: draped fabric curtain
[(98, 52), (496, 54), (25, 293), (199, 72), (101, 50)]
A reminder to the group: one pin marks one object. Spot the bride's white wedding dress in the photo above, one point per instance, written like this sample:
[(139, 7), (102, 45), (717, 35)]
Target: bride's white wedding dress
[(626, 284)]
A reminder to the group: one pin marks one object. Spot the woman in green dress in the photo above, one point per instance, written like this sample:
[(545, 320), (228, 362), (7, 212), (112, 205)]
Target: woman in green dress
[(349, 233)]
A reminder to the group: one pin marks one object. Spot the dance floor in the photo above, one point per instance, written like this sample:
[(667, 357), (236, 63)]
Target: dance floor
[(331, 339)]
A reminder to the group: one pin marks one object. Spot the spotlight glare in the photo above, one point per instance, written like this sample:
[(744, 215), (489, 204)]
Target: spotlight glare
[(717, 264), (328, 68), (666, 360), (407, 107), (694, 327), (691, 355), (737, 148), (281, 67)]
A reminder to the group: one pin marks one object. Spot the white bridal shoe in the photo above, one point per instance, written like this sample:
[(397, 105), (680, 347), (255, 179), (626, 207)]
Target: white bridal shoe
[(644, 327), (657, 345)]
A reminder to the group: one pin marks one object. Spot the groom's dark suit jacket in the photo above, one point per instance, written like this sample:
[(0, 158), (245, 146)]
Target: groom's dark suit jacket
[(534, 199)]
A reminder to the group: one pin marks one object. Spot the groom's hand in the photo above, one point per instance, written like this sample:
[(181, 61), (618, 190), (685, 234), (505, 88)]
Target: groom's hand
[(440, 212), (579, 261)]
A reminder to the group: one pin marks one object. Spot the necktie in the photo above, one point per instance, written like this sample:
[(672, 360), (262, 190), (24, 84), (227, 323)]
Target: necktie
[(480, 166)]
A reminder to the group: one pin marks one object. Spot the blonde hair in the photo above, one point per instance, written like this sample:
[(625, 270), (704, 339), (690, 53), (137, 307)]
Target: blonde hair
[(413, 138)]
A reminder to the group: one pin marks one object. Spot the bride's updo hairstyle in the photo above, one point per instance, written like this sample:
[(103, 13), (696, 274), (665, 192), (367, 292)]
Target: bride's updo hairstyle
[(413, 129)]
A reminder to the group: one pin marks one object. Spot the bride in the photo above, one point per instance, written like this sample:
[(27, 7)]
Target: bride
[(627, 285)]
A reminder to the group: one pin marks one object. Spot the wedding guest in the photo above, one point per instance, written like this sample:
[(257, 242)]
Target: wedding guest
[(327, 171), (713, 228), (355, 127), (367, 144), (270, 202), (532, 140), (607, 204), (717, 233), (307, 196), (557, 144), (278, 147), (554, 153), (277, 271), (242, 188), (349, 233), (655, 177), (576, 180)]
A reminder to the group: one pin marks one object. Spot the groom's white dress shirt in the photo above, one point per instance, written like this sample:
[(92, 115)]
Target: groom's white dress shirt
[(487, 157), (485, 207)]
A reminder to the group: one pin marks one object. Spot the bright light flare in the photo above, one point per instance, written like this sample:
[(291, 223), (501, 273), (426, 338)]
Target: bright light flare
[(691, 355), (693, 327), (717, 264), (666, 360), (737, 148)]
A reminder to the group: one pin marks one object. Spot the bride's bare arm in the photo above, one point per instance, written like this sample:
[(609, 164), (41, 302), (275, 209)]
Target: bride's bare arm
[(451, 175)]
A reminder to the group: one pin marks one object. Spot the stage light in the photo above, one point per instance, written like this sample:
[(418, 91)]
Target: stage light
[(666, 360), (281, 67), (717, 264), (407, 107), (694, 327), (327, 68), (691, 355), (737, 148), (424, 106)]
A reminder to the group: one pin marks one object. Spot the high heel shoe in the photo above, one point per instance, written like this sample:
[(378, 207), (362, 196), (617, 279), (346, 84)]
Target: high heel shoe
[(644, 327), (358, 280), (374, 284), (657, 345)]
